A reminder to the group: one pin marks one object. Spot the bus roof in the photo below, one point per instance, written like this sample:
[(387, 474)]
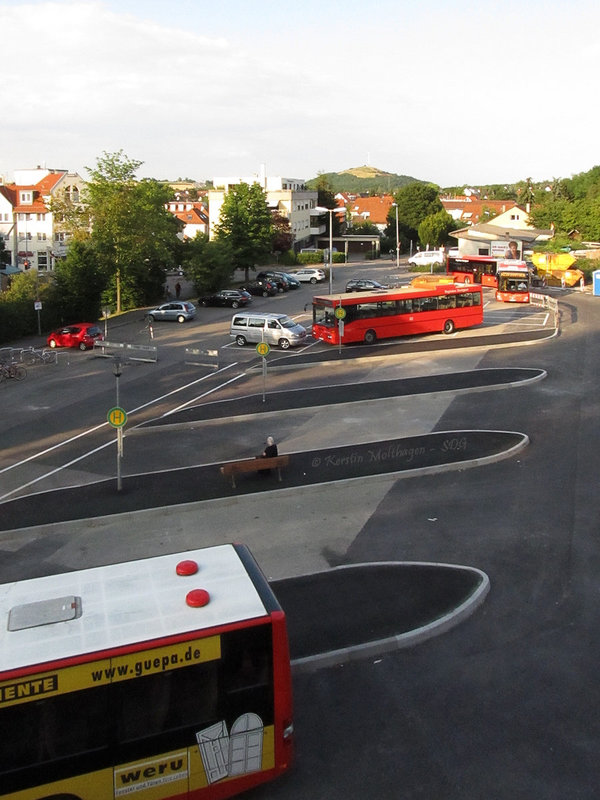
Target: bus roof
[(86, 611), (352, 298)]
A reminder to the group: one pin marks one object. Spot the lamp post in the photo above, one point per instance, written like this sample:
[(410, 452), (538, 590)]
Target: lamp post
[(330, 211), (397, 239), (117, 371)]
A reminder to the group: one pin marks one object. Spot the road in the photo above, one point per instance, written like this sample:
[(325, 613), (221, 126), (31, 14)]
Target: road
[(502, 706)]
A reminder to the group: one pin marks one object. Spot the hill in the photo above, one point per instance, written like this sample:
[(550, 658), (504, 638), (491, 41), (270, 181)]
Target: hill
[(362, 180)]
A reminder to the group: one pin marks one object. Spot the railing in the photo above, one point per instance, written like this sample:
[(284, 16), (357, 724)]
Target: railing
[(133, 352)]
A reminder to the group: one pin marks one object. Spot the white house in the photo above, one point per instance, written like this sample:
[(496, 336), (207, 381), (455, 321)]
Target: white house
[(31, 233)]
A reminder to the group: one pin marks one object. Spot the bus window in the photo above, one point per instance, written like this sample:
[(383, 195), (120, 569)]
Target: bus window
[(447, 301)]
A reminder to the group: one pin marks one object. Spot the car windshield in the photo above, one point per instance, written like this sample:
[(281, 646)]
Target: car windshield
[(286, 322)]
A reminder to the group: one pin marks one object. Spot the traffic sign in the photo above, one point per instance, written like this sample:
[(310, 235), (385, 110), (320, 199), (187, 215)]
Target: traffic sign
[(263, 349), (117, 417), (339, 312)]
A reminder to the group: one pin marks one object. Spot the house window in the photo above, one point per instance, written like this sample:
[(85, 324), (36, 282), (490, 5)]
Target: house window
[(42, 261), (25, 197), (41, 237)]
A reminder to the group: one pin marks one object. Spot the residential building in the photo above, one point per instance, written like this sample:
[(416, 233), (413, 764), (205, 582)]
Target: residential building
[(193, 216), (31, 231), (469, 209), (492, 238), (370, 209), (289, 197)]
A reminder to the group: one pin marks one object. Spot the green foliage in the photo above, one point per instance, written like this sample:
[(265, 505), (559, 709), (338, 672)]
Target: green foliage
[(288, 259), (314, 257), (133, 234), (79, 282), (18, 318), (246, 224), (376, 183), (415, 202), (364, 228), (208, 264), (4, 254), (435, 229)]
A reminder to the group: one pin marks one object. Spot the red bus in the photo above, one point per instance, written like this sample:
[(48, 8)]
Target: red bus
[(473, 269), (513, 282), (167, 677), (410, 310)]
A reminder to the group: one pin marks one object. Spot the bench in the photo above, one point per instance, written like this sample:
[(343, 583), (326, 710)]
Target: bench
[(233, 468)]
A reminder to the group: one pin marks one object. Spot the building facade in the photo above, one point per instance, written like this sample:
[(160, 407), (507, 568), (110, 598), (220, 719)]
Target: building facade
[(289, 197), (31, 231)]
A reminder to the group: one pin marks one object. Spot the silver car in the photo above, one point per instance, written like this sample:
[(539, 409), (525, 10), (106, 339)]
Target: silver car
[(175, 310)]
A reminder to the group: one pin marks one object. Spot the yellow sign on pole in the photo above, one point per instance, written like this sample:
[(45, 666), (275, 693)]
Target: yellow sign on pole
[(339, 312), (263, 349), (117, 417)]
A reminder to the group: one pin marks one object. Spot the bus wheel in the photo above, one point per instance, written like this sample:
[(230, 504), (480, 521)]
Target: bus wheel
[(240, 341), (370, 337), (448, 326)]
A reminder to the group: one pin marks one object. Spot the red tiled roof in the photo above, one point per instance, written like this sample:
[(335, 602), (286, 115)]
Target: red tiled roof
[(472, 209), (39, 190), (372, 209)]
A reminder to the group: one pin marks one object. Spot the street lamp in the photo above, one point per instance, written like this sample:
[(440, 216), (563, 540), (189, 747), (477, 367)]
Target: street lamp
[(117, 371), (331, 212), (397, 239)]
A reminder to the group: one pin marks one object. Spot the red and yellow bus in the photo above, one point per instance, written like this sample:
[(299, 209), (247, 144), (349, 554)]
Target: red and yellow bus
[(513, 282), (167, 677), (473, 269), (406, 311)]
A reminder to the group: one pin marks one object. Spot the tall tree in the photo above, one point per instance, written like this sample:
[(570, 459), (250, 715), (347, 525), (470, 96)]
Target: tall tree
[(435, 229), (208, 264), (246, 224), (133, 233), (415, 202)]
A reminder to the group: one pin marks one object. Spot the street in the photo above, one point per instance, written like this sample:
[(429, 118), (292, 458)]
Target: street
[(501, 706)]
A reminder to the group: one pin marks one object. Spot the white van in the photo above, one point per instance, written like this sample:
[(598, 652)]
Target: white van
[(427, 258), (279, 329)]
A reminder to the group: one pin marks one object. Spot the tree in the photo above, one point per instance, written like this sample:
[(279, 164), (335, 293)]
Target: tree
[(208, 264), (326, 199), (365, 228), (247, 226), (435, 229), (79, 282), (134, 235), (4, 254), (283, 238), (415, 202)]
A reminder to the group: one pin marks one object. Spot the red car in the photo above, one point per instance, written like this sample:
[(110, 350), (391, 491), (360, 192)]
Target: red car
[(81, 335)]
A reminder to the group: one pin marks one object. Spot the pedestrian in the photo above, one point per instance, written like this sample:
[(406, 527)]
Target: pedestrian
[(167, 292), (177, 290), (270, 451)]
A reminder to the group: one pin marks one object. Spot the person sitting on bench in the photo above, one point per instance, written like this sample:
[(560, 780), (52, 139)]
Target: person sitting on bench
[(270, 451)]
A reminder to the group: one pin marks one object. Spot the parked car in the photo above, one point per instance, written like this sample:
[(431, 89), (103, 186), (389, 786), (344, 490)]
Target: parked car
[(276, 278), (81, 335), (279, 329), (427, 258), (176, 310), (226, 297), (261, 288), (293, 282), (309, 275), (364, 285)]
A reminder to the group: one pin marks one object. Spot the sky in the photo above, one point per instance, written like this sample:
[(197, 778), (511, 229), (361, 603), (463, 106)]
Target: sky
[(450, 91)]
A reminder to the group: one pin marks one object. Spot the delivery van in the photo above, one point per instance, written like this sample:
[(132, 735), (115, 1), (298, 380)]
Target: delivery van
[(274, 329)]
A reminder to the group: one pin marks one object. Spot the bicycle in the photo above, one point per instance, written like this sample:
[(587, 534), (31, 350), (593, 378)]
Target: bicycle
[(31, 356), (16, 371)]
